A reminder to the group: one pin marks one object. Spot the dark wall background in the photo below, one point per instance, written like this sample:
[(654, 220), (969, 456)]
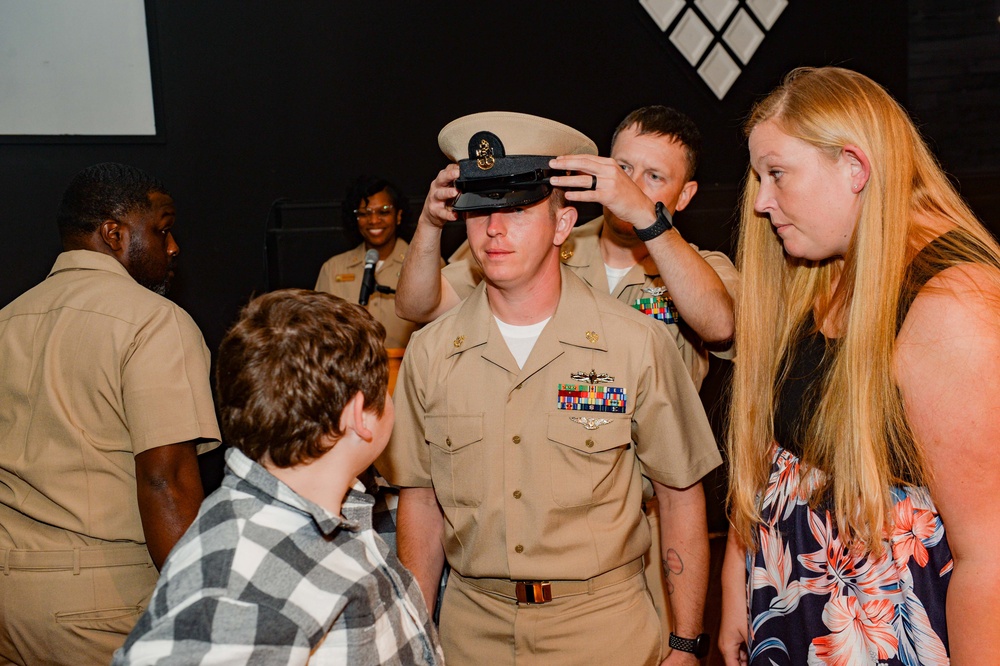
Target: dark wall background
[(260, 100)]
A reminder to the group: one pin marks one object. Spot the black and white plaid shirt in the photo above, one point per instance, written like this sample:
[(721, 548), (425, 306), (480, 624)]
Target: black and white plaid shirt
[(265, 576)]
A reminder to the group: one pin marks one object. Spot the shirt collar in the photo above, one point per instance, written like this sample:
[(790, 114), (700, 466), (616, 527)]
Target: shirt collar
[(87, 260), (398, 253), (357, 256), (583, 245), (576, 321), (254, 474), (582, 251)]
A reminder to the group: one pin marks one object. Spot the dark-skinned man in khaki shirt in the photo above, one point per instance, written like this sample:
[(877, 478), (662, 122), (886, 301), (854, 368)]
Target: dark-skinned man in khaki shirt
[(104, 402)]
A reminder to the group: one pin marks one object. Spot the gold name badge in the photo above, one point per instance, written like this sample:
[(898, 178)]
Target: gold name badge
[(344, 277)]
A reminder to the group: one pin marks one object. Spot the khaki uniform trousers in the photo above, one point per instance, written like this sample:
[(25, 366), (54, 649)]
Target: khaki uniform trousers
[(72, 606), (616, 624)]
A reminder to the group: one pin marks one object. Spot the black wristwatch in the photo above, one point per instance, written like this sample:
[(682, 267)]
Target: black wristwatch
[(662, 224), (697, 646)]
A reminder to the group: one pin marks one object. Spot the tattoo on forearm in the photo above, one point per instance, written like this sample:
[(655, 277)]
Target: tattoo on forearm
[(673, 565)]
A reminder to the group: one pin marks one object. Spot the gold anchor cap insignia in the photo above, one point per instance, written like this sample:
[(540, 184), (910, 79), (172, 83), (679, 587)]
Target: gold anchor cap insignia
[(592, 337), (593, 377), (458, 341), (589, 424), (484, 155), (485, 148), (565, 253)]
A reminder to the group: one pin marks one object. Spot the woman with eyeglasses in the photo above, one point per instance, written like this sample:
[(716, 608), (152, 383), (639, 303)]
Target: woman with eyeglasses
[(378, 208)]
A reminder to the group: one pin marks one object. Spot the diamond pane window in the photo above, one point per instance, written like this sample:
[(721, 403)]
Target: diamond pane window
[(717, 37)]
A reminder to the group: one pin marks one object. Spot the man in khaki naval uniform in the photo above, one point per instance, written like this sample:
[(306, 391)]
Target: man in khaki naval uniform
[(530, 414), (654, 152), (654, 157), (104, 399), (642, 285)]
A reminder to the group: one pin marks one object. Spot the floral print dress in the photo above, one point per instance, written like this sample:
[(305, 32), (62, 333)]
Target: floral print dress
[(811, 600)]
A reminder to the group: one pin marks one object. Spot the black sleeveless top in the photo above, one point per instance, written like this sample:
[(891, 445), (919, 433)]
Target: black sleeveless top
[(807, 360), (804, 366)]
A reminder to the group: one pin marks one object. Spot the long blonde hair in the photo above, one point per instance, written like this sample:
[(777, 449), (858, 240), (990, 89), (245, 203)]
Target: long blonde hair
[(859, 435)]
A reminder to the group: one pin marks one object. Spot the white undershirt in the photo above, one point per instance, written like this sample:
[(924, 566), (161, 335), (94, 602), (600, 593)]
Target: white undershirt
[(521, 339), (615, 276)]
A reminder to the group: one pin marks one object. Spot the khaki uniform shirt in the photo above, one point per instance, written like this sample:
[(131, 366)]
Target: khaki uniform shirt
[(341, 276), (582, 254), (94, 369), (527, 491)]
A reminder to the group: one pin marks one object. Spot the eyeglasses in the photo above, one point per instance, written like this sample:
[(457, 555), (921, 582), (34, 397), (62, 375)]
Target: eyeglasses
[(382, 212)]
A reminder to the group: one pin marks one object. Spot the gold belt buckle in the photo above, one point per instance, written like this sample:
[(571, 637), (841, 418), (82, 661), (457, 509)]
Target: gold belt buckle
[(533, 592)]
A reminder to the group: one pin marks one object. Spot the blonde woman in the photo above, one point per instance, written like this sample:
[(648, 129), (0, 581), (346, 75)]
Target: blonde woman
[(865, 429)]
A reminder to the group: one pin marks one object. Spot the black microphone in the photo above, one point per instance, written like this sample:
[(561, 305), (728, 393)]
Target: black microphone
[(368, 279)]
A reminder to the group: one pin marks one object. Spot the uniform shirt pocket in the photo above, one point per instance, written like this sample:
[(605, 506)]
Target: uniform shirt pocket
[(584, 465), (456, 453)]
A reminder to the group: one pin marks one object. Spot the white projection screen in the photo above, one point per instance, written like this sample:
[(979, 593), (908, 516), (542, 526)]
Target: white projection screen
[(75, 68)]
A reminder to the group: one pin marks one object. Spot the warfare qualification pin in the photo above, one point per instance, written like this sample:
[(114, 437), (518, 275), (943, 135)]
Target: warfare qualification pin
[(588, 423), (592, 377), (655, 291)]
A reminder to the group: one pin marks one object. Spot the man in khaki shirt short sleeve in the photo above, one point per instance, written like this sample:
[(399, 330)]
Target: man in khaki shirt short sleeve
[(104, 402), (654, 157), (526, 419)]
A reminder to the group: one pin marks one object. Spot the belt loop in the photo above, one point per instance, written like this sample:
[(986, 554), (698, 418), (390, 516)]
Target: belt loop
[(590, 586), (5, 561), (76, 561)]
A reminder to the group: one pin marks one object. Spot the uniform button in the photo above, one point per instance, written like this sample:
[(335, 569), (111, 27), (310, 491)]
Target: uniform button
[(516, 439), (447, 441), (518, 387), (518, 548), (590, 443), (517, 494)]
